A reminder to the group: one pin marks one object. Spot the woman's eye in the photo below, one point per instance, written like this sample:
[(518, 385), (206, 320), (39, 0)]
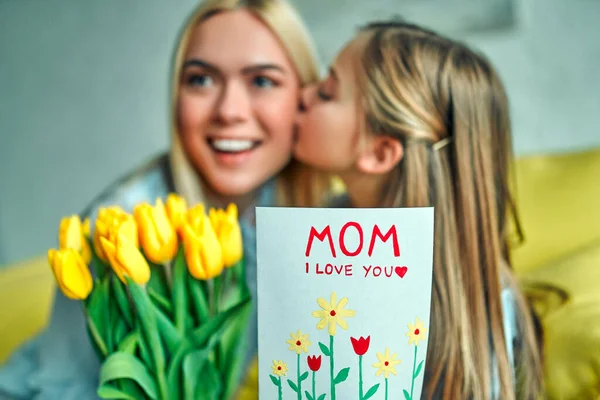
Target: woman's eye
[(322, 95), (263, 82), (199, 80)]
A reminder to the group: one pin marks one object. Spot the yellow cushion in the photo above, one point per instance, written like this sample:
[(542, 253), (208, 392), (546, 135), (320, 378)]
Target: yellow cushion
[(567, 299), (26, 291), (558, 201), (249, 389)]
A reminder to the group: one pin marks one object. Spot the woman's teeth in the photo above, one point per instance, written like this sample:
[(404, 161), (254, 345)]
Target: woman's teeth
[(231, 145)]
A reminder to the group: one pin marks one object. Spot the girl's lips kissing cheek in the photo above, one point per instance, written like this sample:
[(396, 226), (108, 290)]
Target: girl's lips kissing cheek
[(233, 151)]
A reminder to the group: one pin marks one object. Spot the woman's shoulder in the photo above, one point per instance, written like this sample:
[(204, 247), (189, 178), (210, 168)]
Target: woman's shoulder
[(148, 181), (339, 201)]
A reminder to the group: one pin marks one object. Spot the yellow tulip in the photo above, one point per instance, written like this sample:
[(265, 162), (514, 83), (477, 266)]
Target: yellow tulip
[(124, 256), (158, 237), (71, 273), (86, 228), (195, 217), (108, 220), (227, 228), (177, 211), (202, 249), (71, 236)]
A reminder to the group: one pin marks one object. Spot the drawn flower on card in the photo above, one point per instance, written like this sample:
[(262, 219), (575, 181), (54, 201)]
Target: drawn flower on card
[(387, 364), (333, 313), (360, 345), (314, 363), (279, 368), (298, 342), (416, 332)]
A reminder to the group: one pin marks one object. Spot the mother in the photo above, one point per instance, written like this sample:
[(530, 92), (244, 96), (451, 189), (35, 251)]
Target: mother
[(237, 75)]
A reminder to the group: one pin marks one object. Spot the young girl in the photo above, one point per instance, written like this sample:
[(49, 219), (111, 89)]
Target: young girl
[(237, 75), (408, 118)]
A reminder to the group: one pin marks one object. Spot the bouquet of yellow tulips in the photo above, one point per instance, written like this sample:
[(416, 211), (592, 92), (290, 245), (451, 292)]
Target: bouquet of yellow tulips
[(164, 295)]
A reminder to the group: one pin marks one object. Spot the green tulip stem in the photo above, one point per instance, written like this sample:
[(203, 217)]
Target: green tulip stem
[(298, 377), (279, 390), (412, 385), (168, 268), (331, 367), (386, 389), (314, 392), (360, 378)]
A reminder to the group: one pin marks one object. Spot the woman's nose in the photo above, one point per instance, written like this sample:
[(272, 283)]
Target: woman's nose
[(234, 104)]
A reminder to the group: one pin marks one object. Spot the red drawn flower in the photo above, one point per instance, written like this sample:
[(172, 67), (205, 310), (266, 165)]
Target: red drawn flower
[(314, 363), (361, 346)]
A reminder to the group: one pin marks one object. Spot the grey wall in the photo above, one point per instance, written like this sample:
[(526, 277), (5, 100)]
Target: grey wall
[(84, 87)]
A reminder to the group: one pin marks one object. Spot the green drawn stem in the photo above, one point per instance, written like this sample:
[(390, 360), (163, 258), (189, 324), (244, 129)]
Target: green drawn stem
[(279, 390), (386, 389), (412, 385), (331, 369), (313, 386), (360, 378), (299, 382)]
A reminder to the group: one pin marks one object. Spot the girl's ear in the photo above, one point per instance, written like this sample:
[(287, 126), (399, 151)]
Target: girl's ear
[(380, 155)]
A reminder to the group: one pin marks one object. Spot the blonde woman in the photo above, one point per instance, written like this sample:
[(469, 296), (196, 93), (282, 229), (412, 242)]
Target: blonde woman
[(237, 75), (408, 118)]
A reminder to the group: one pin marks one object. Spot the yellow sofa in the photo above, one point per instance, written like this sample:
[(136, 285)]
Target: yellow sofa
[(559, 267)]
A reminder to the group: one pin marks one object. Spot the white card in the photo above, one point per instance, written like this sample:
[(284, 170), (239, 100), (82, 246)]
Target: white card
[(334, 284)]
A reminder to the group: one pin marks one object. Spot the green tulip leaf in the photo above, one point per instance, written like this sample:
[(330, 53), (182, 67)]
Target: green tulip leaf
[(193, 364), (108, 391), (180, 297), (125, 366), (121, 299)]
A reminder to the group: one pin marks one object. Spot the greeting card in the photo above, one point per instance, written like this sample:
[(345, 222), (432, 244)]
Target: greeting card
[(344, 301)]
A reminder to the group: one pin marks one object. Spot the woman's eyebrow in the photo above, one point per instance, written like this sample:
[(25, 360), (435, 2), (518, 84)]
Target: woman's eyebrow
[(196, 62), (263, 67)]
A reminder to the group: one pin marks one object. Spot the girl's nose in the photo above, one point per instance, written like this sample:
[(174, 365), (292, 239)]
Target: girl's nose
[(306, 97)]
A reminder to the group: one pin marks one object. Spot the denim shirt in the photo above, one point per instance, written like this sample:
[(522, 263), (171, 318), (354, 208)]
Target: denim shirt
[(60, 363)]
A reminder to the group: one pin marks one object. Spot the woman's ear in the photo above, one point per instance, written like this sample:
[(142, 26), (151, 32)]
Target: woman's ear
[(380, 155)]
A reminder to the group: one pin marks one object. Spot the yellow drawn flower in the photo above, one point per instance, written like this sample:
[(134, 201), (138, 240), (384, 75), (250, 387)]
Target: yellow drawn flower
[(333, 313), (298, 342), (386, 364), (416, 332), (279, 368)]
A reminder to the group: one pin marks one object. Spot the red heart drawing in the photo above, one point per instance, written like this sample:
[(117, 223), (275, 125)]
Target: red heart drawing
[(401, 271)]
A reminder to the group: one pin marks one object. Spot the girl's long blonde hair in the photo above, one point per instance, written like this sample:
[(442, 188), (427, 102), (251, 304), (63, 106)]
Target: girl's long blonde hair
[(297, 184), (425, 89)]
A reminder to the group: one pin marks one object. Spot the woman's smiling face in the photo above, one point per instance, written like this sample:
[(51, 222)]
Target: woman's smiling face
[(237, 102)]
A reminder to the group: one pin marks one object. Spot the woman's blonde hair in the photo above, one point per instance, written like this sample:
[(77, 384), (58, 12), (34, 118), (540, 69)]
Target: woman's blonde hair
[(448, 107), (297, 184)]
